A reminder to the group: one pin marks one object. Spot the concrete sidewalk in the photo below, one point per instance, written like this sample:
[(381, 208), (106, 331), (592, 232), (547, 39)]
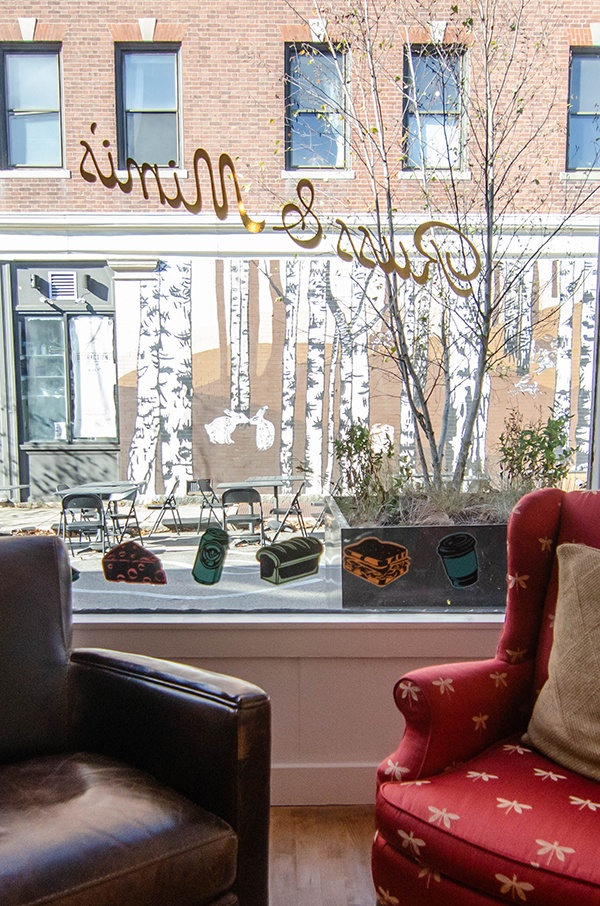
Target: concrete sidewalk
[(240, 590)]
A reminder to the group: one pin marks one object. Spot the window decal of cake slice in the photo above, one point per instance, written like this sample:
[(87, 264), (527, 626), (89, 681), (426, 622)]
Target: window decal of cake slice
[(379, 562)]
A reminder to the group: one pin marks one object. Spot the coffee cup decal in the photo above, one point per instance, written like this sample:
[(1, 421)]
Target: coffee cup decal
[(459, 556)]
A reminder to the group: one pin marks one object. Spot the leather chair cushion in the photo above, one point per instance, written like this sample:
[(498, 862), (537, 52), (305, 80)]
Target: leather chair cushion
[(86, 830)]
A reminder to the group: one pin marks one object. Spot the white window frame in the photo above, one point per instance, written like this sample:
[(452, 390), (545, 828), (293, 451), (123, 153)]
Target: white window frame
[(412, 110), (123, 50), (31, 50), (320, 109)]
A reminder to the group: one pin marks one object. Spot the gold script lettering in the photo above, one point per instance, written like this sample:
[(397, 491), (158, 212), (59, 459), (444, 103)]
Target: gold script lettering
[(384, 259), (451, 273), (300, 215), (110, 180)]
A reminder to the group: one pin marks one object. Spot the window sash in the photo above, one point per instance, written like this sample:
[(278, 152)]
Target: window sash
[(32, 109), (583, 120), (315, 127), (67, 377), (148, 105), (433, 116)]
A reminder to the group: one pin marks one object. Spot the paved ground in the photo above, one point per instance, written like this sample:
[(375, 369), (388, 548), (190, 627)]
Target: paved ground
[(240, 589)]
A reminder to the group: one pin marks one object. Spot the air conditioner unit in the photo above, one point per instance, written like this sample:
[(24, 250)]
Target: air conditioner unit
[(63, 285)]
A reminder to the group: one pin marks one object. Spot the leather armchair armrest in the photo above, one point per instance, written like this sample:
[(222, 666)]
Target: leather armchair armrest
[(455, 711), (204, 734)]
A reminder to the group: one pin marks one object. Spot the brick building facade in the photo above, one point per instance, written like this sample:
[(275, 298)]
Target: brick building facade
[(155, 332)]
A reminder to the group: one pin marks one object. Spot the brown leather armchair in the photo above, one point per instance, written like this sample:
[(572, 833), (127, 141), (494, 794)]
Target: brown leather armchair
[(123, 779)]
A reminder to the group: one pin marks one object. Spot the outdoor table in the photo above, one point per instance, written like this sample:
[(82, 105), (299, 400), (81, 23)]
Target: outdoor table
[(110, 492), (11, 487), (264, 481)]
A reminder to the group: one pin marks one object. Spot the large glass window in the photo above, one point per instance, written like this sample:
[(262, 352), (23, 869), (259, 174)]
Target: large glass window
[(148, 105), (68, 377), (433, 110), (315, 122), (32, 109), (583, 141)]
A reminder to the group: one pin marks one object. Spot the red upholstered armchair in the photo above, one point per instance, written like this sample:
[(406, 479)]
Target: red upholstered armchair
[(467, 813)]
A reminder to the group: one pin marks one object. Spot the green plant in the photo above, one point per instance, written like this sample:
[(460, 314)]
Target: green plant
[(537, 455), (370, 473)]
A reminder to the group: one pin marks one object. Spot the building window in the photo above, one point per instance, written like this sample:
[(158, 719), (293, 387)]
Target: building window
[(31, 96), (148, 105), (315, 121), (434, 107), (68, 377), (583, 138)]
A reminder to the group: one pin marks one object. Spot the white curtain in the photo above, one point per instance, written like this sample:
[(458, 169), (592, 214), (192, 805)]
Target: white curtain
[(94, 376)]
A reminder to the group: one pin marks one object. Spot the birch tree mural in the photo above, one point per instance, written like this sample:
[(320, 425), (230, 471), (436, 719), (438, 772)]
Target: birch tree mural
[(175, 378), (290, 299), (318, 287), (164, 408), (419, 311), (237, 290), (586, 367), (462, 355), (570, 273), (142, 450), (517, 318), (354, 301), (330, 458)]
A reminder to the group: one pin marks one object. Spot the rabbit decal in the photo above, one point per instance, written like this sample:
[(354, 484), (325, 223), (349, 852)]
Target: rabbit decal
[(222, 427), (265, 430)]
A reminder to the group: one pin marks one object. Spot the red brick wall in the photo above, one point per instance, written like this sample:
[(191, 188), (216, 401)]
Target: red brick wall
[(233, 97)]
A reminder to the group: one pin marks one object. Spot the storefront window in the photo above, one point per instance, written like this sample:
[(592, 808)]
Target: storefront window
[(68, 377)]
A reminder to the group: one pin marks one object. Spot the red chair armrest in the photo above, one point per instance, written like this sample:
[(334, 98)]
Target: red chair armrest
[(454, 711)]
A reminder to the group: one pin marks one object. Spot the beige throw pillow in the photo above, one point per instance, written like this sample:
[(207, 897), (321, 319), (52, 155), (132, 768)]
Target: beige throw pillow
[(565, 724)]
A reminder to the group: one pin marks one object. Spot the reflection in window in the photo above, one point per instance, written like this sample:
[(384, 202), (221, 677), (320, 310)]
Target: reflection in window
[(583, 143), (68, 377), (148, 106), (32, 110), (315, 104), (433, 81)]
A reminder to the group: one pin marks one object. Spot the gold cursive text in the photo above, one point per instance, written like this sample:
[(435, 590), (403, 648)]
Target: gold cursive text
[(111, 180)]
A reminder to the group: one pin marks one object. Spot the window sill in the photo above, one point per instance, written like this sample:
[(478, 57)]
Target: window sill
[(580, 176), (36, 173), (433, 174), (317, 174)]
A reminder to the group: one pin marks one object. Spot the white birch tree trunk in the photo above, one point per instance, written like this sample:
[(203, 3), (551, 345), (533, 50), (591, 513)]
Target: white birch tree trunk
[(331, 422), (462, 369), (586, 368), (291, 302), (518, 333), (237, 286), (315, 368), (142, 449), (417, 312), (175, 375), (359, 333), (569, 275)]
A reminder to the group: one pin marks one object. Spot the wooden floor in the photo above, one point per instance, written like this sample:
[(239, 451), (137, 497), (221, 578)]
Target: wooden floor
[(321, 855)]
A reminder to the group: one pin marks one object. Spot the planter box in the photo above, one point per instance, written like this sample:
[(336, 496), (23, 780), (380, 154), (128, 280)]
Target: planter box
[(437, 568)]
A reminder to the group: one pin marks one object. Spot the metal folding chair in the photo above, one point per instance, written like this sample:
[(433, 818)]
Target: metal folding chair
[(293, 511), (83, 515), (202, 488), (252, 518), (320, 518), (169, 504), (124, 520)]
